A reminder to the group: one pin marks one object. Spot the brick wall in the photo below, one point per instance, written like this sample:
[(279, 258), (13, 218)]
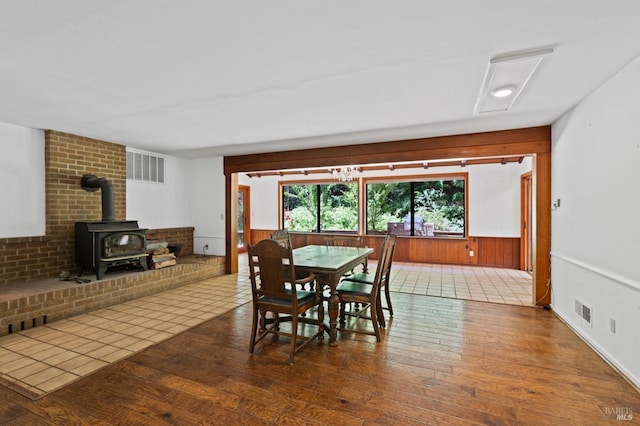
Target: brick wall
[(181, 236), (67, 158), (35, 310)]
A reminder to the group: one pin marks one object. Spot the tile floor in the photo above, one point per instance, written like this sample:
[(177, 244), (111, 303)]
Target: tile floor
[(39, 360), (496, 285)]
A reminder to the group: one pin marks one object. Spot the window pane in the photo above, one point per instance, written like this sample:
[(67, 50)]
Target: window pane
[(439, 208), (299, 208), (320, 207), (426, 208), (387, 204), (339, 207)]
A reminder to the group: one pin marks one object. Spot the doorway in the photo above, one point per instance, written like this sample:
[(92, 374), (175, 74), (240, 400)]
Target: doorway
[(244, 216)]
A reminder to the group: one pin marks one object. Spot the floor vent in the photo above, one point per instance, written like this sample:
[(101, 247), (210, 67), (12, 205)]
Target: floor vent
[(583, 311), (23, 325)]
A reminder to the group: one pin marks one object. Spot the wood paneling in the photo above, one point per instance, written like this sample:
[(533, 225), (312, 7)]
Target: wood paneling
[(496, 251), (259, 235), (488, 251)]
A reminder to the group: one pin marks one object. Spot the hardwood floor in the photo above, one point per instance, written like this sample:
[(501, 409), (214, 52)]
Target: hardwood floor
[(441, 361)]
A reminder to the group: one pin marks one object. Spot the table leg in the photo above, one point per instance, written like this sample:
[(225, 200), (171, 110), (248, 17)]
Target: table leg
[(334, 303)]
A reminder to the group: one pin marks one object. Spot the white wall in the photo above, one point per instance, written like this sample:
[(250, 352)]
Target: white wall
[(264, 201), (22, 187), (494, 196), (157, 205), (192, 195), (206, 192), (596, 230), (494, 199)]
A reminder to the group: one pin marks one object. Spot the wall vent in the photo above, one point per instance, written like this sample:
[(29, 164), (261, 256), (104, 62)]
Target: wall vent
[(145, 167), (583, 311)]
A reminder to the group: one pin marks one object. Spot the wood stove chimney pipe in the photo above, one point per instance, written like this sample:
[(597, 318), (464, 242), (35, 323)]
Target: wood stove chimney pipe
[(92, 183)]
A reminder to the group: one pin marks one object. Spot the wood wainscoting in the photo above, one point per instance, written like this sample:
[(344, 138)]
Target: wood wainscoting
[(502, 252)]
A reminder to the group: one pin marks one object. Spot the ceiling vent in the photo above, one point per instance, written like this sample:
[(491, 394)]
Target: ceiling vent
[(506, 77)]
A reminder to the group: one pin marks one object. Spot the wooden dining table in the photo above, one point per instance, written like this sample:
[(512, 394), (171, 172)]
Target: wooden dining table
[(329, 264)]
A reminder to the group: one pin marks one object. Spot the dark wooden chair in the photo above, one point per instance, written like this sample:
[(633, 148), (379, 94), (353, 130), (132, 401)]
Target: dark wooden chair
[(367, 293), (343, 240), (386, 274), (273, 292), (283, 238), (346, 241)]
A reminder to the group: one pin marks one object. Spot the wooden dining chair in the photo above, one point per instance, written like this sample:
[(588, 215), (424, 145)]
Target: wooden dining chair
[(346, 241), (386, 276), (366, 293), (272, 292), (343, 240), (283, 238)]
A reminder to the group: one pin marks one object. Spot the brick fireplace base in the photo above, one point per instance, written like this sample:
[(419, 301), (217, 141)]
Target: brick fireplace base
[(26, 311)]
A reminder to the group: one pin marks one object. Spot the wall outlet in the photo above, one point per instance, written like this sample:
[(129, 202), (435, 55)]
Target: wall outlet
[(612, 325), (206, 246), (471, 253)]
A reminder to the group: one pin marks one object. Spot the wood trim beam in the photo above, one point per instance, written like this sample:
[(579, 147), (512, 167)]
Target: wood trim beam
[(501, 143)]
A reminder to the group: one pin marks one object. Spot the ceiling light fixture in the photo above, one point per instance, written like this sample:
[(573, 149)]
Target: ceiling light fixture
[(506, 77), (345, 174), (503, 91)]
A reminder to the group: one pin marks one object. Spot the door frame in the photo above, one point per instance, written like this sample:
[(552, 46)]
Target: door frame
[(526, 219), (246, 190)]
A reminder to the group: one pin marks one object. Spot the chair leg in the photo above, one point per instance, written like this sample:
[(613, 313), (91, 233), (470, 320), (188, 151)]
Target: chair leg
[(374, 319), (294, 336), (321, 318), (380, 313), (343, 313), (387, 293), (254, 326)]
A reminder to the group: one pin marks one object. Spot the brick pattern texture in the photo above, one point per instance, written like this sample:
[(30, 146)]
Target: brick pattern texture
[(67, 159), (175, 236), (31, 311)]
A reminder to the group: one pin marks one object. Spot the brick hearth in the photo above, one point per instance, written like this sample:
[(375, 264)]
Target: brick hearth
[(25, 306)]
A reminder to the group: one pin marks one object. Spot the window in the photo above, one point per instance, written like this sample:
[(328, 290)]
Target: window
[(145, 167), (427, 206), (320, 207)]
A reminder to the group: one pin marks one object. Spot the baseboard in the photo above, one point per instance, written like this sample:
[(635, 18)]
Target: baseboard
[(620, 369)]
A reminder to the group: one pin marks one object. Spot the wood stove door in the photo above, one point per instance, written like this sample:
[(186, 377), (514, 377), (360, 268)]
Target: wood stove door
[(123, 244)]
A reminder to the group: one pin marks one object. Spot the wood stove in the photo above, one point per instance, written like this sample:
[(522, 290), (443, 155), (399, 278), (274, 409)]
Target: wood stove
[(103, 244)]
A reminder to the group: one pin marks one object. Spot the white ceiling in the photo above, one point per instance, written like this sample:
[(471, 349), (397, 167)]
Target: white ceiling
[(204, 77)]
